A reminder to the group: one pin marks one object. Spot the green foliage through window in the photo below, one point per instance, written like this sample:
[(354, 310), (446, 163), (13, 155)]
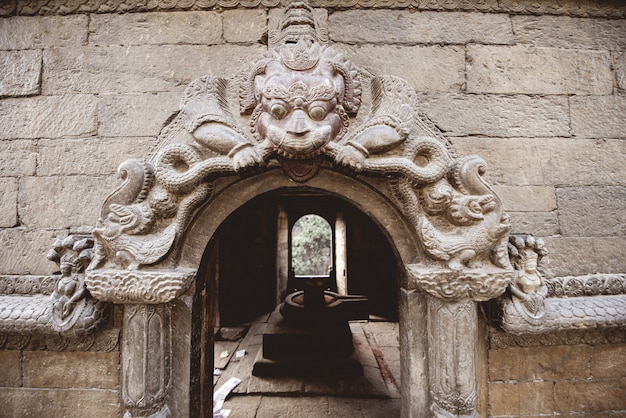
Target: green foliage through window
[(311, 246)]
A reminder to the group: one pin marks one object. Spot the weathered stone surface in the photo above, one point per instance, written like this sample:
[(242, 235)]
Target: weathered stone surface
[(527, 198), (548, 161), (90, 156), (584, 8), (19, 157), (8, 202), (520, 399), (400, 27), (530, 70), (598, 116), (548, 363), (138, 69), (570, 32), (62, 202), (579, 256), (590, 396), (244, 26), (619, 64), (609, 361), (47, 369), (21, 73), (49, 116), (203, 28), (43, 32), (11, 370), (135, 115), (68, 403), (24, 251), (592, 211), (541, 224), (504, 116), (422, 66)]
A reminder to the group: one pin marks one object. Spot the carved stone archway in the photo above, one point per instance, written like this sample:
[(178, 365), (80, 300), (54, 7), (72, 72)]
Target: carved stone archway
[(302, 115)]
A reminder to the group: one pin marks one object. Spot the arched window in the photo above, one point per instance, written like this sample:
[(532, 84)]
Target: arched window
[(311, 246)]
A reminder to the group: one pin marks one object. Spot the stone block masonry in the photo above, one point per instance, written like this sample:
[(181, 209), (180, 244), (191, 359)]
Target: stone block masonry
[(537, 90), (564, 380)]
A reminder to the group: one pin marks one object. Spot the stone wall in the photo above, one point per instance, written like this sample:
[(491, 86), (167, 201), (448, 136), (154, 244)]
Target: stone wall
[(539, 91)]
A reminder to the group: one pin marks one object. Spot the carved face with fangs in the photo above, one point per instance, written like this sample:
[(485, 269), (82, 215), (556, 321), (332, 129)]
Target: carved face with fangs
[(299, 111)]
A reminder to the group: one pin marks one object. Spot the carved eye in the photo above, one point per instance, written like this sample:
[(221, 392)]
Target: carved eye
[(278, 110), (317, 113)]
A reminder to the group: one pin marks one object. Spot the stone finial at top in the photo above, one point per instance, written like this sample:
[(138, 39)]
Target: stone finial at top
[(298, 23)]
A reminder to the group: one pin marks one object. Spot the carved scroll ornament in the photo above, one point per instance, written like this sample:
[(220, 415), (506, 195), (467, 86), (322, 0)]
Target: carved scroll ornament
[(301, 106)]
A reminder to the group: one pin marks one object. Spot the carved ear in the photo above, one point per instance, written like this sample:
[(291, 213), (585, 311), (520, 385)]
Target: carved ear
[(247, 93), (351, 99)]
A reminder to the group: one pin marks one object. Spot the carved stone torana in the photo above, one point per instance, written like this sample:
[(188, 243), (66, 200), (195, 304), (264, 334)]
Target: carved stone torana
[(533, 305), (573, 8), (54, 305), (300, 106)]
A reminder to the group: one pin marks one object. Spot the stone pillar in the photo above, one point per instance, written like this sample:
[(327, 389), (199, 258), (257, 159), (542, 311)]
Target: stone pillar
[(341, 257), (282, 255), (452, 338), (445, 305), (146, 351), (413, 310)]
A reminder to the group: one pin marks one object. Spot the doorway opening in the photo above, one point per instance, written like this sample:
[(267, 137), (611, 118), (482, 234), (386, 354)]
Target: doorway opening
[(262, 251)]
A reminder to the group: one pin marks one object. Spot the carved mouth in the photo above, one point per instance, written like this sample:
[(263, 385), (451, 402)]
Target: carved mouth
[(299, 145)]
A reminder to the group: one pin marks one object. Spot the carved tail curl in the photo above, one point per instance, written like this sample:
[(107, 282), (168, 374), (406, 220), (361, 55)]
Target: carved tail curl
[(196, 169), (138, 177), (435, 153)]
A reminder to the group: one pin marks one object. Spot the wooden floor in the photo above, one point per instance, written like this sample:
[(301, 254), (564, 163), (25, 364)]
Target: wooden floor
[(375, 394)]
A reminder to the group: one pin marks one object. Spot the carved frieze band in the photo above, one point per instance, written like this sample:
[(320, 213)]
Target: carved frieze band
[(592, 8), (27, 285), (103, 341), (499, 339)]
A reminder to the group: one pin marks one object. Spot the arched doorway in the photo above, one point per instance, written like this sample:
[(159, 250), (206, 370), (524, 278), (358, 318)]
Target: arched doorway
[(240, 274)]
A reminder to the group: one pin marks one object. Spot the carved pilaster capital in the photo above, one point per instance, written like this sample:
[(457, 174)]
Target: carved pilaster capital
[(136, 286), (452, 285)]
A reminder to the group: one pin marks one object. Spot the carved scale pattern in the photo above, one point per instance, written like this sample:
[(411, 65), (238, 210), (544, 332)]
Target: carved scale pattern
[(584, 8)]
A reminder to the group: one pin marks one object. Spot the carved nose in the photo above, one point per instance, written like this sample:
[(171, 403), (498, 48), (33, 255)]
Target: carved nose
[(299, 124)]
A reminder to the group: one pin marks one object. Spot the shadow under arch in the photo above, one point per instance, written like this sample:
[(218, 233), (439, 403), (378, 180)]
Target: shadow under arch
[(200, 239)]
